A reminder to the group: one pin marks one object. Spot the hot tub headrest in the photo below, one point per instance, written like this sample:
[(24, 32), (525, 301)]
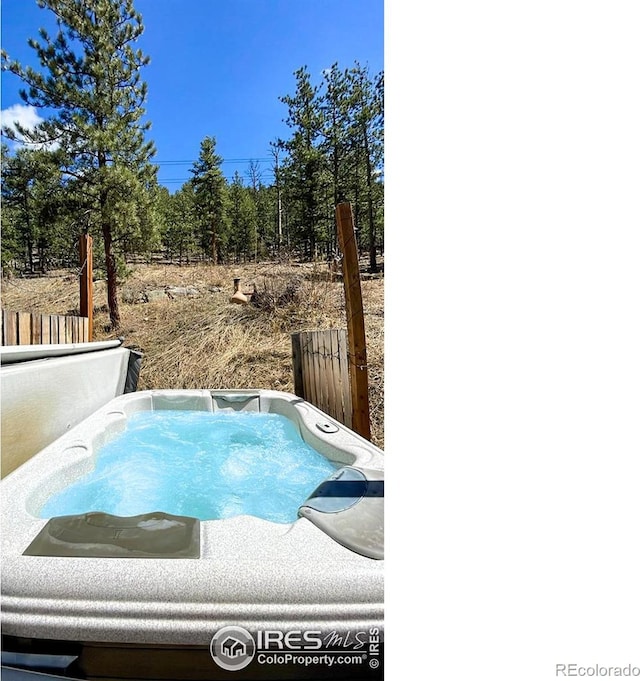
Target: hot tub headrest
[(349, 507)]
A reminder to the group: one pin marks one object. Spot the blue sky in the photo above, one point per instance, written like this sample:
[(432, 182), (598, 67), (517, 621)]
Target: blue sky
[(218, 67)]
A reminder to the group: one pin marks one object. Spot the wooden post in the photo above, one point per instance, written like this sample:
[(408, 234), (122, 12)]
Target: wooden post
[(298, 385), (359, 377), (86, 281)]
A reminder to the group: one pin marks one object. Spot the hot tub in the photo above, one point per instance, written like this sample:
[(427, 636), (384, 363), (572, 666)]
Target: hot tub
[(109, 589)]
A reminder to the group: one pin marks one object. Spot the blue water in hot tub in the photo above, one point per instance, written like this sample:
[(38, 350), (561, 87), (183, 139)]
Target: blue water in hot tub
[(199, 464)]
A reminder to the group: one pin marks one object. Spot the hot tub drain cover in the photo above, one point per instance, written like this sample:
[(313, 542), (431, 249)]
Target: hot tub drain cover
[(101, 535)]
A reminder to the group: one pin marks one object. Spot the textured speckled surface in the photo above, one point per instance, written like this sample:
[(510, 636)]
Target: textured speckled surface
[(251, 573)]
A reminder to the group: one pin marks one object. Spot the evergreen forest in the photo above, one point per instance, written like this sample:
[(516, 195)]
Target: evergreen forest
[(89, 167)]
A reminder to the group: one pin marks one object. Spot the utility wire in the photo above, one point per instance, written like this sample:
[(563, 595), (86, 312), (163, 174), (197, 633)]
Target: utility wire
[(228, 160)]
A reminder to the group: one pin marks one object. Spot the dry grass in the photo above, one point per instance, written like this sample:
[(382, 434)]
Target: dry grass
[(204, 341)]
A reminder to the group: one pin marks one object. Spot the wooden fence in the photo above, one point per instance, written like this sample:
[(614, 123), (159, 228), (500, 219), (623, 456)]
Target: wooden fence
[(29, 328), (321, 371)]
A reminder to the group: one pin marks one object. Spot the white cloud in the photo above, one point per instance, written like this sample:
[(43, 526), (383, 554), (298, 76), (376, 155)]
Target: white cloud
[(26, 116)]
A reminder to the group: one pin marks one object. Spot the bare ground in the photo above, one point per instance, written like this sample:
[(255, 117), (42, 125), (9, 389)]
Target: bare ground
[(201, 340)]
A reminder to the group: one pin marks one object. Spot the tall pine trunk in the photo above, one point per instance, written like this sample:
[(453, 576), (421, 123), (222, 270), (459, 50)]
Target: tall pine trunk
[(214, 244), (373, 263), (110, 260), (112, 278)]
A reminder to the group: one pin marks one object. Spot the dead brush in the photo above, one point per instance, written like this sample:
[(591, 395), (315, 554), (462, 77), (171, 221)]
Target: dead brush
[(208, 342), (296, 303)]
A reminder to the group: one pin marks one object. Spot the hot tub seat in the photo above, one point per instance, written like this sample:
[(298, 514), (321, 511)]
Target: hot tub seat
[(102, 535)]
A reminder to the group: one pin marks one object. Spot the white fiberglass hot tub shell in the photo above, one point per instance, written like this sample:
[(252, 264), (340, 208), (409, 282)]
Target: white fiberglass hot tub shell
[(249, 572)]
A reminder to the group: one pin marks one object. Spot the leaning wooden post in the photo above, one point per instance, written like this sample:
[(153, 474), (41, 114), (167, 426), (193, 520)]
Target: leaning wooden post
[(359, 378), (86, 281)]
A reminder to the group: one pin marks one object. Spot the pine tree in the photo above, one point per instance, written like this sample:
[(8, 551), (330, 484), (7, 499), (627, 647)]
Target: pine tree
[(337, 105), (368, 135), (33, 199), (211, 197), (91, 80), (243, 220), (260, 219), (303, 168), (276, 149)]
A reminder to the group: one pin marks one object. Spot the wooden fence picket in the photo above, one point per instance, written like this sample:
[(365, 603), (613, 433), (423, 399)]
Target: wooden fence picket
[(31, 328)]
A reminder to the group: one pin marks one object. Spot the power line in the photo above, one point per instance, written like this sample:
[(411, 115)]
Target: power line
[(228, 160), (261, 176)]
